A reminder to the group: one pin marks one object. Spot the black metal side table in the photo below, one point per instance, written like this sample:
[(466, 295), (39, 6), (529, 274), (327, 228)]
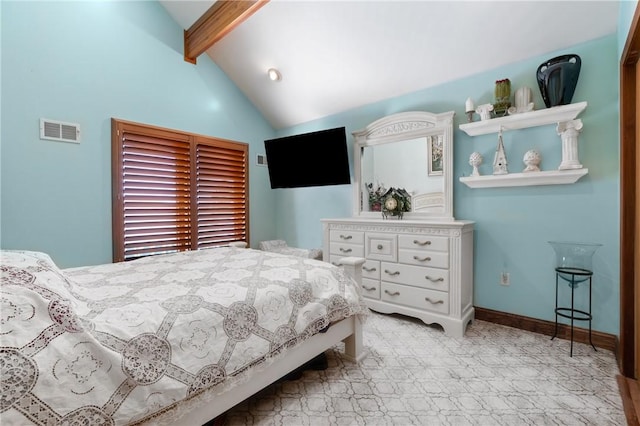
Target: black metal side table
[(574, 276)]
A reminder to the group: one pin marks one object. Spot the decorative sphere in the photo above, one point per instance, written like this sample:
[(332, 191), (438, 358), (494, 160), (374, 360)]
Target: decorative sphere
[(475, 159), (531, 160)]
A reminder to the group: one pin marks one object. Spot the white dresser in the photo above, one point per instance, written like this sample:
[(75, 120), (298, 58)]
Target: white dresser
[(418, 268)]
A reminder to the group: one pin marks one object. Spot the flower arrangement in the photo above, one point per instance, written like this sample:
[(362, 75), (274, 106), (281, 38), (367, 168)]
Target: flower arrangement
[(375, 196)]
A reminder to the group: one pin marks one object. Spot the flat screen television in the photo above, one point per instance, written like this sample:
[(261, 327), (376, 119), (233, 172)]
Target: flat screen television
[(310, 159)]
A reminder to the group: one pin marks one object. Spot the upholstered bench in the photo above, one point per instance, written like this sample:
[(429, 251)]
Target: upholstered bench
[(280, 246)]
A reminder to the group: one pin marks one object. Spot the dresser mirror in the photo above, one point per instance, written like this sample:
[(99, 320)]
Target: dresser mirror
[(408, 150)]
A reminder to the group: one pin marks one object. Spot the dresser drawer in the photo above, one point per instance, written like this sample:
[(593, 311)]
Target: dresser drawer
[(423, 242), (371, 288), (351, 237), (416, 276), (428, 300), (381, 247), (344, 249), (425, 258), (371, 269)]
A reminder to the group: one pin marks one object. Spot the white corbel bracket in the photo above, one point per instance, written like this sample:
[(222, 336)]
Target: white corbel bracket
[(569, 132)]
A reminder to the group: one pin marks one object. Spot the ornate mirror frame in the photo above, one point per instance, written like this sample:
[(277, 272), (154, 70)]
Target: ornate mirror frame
[(402, 127)]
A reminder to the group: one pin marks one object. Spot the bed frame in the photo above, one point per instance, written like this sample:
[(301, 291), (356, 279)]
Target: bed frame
[(348, 331)]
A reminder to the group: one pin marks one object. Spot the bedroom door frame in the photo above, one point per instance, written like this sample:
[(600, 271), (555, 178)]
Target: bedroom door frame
[(629, 202)]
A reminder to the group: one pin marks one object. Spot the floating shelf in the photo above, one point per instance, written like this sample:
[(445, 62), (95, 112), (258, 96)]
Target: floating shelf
[(551, 177), (540, 117)]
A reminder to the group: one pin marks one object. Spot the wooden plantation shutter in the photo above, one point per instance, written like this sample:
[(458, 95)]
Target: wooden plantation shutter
[(175, 191), (155, 195), (221, 192)]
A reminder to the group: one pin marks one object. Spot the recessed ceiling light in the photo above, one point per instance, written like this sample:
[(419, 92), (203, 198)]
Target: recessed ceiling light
[(274, 74)]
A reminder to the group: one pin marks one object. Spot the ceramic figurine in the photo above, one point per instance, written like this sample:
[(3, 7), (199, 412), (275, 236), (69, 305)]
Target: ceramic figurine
[(569, 132), (484, 111), (500, 158), (532, 161), (523, 102), (474, 161)]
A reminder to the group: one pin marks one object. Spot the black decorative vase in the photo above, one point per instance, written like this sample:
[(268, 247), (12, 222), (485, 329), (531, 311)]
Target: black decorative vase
[(557, 79)]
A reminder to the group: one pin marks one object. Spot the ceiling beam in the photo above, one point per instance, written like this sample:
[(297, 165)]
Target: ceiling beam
[(217, 22)]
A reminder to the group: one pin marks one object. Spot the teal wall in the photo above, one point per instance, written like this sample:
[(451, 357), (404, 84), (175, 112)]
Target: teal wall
[(625, 17), (513, 225), (88, 62)]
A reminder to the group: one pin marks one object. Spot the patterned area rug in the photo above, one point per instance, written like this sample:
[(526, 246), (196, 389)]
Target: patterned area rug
[(416, 375)]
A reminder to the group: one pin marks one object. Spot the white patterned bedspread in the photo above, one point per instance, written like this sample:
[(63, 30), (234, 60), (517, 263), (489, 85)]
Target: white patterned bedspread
[(119, 344)]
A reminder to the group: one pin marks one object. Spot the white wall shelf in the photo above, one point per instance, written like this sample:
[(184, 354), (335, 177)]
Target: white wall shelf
[(550, 177), (540, 117), (568, 127)]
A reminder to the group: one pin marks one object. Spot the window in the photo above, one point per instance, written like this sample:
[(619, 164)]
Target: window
[(176, 191)]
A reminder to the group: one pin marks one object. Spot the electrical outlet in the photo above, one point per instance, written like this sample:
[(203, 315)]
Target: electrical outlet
[(505, 279)]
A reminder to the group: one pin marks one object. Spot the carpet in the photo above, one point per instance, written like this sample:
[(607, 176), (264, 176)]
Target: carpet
[(414, 374)]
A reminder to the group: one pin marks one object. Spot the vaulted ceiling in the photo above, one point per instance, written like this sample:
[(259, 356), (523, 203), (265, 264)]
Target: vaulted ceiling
[(337, 55)]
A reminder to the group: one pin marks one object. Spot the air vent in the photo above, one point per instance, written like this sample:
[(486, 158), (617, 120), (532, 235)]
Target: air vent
[(59, 131), (261, 160)]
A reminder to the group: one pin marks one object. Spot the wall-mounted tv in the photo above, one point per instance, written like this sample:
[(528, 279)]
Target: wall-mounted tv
[(310, 159)]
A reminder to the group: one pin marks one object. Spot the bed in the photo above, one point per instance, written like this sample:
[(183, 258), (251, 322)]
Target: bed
[(170, 339)]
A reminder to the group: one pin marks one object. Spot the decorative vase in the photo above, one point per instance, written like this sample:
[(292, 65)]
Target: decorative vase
[(557, 79), (503, 97), (573, 258)]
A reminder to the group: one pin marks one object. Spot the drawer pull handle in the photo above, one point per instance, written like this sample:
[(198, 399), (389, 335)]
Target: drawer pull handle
[(434, 280), (346, 237), (368, 269), (431, 301), (380, 246), (369, 288), (422, 243), (391, 273), (395, 293), (336, 263), (424, 259), (344, 250)]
